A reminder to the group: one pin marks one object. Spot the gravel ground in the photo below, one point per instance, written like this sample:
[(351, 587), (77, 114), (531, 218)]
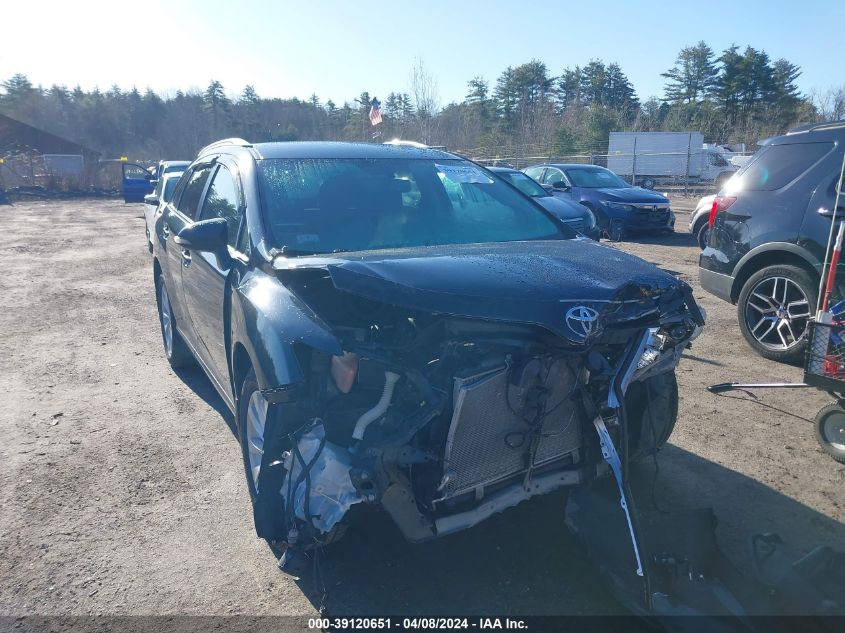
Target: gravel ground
[(122, 492)]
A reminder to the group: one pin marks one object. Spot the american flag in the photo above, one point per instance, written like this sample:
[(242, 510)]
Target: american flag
[(375, 112)]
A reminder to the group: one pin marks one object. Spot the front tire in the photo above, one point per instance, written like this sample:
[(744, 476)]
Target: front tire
[(830, 431), (256, 418), (616, 230), (774, 309), (252, 422), (175, 349)]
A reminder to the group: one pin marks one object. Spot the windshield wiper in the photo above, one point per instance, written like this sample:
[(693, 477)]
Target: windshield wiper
[(287, 251)]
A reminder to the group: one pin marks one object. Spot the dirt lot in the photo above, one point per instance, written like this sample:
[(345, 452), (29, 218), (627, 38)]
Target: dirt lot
[(121, 488)]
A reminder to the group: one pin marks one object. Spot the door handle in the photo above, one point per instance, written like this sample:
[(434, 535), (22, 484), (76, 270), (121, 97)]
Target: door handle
[(186, 257), (165, 230)]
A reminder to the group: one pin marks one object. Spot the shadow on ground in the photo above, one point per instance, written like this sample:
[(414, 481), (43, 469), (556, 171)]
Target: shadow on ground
[(195, 379), (524, 561), (678, 238)]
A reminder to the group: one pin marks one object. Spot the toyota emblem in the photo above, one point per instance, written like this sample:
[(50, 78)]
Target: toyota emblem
[(581, 320)]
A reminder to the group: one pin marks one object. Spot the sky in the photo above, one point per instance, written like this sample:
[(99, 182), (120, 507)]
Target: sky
[(338, 49)]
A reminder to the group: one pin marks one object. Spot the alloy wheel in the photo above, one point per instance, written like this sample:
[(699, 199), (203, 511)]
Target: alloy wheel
[(256, 417), (777, 312), (166, 321)]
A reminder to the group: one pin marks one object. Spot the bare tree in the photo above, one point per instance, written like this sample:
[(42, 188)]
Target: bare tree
[(830, 104), (426, 100)]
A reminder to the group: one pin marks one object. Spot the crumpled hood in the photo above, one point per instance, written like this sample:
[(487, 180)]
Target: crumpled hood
[(632, 194), (534, 282)]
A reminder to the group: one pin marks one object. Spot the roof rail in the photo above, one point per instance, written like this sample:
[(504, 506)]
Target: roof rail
[(226, 141), (830, 125), (817, 127)]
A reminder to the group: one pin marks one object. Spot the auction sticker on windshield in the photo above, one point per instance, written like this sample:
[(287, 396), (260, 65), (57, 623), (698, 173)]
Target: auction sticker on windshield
[(464, 174)]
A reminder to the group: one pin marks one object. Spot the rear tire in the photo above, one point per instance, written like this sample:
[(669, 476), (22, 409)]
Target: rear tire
[(702, 235), (175, 349), (830, 431), (774, 308)]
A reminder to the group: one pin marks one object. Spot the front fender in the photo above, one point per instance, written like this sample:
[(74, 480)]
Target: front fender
[(268, 319)]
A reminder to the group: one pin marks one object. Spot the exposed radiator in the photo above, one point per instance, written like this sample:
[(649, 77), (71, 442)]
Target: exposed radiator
[(483, 445)]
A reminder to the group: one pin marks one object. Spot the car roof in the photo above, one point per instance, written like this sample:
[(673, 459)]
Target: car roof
[(571, 165), (174, 163), (172, 174), (830, 131), (322, 149)]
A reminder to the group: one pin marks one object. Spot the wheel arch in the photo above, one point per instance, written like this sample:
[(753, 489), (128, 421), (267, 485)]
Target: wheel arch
[(771, 255), (698, 222), (241, 363), (267, 326), (156, 277)]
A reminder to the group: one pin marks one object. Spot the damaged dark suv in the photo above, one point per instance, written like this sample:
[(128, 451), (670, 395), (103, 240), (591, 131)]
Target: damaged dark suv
[(396, 326)]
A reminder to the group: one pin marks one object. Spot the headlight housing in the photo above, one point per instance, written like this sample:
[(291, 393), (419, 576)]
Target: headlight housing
[(619, 206), (653, 348)]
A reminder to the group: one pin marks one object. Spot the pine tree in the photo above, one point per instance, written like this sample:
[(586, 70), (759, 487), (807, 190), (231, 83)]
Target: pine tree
[(619, 93), (694, 75), (728, 88), (478, 100), (567, 90), (216, 104)]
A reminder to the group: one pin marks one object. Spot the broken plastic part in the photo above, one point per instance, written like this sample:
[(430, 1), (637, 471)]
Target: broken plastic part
[(610, 455), (328, 485)]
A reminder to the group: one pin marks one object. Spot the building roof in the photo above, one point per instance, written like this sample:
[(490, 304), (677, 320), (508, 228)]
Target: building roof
[(16, 136)]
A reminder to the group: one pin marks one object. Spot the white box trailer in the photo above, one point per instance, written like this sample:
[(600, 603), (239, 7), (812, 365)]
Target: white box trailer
[(651, 158)]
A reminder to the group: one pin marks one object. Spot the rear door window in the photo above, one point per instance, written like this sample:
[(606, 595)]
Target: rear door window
[(192, 192), (157, 191), (534, 172), (776, 166), (169, 187), (553, 176), (223, 201)]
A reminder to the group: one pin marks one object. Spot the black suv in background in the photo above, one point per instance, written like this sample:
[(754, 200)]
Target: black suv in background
[(769, 231)]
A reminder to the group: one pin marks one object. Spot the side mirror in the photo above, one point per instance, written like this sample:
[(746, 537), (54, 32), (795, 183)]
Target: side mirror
[(210, 236), (152, 199), (560, 186), (548, 188)]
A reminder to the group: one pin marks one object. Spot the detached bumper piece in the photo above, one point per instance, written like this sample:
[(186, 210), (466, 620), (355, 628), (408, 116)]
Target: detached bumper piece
[(686, 574)]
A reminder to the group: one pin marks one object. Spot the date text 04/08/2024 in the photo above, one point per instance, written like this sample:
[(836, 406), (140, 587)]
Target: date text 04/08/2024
[(423, 623)]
